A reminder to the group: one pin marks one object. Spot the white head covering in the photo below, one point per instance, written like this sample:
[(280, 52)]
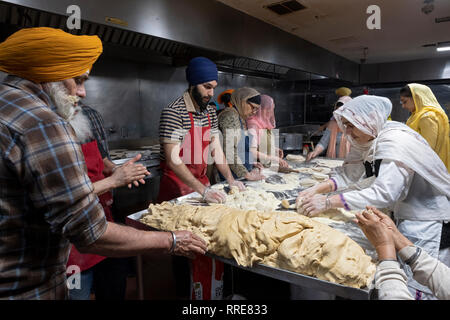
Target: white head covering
[(393, 140), (367, 113)]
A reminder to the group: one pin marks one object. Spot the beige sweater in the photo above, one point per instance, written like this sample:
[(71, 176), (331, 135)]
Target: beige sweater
[(391, 280)]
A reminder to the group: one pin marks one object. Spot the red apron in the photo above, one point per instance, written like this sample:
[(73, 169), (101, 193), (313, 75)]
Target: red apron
[(171, 186), (95, 166), (206, 273)]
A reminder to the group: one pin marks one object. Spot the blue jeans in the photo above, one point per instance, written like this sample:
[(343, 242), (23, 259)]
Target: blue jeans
[(86, 282)]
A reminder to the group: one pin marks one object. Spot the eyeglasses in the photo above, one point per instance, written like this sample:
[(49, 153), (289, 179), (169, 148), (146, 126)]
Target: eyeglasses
[(254, 106)]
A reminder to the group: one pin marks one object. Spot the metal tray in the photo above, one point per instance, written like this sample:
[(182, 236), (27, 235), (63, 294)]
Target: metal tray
[(279, 274)]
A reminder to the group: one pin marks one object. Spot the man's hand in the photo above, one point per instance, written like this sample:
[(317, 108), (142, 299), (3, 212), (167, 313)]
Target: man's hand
[(237, 184), (130, 172), (214, 196), (189, 244), (379, 235)]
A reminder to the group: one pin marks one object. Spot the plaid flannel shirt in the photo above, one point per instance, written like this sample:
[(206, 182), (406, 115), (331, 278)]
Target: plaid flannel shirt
[(46, 197)]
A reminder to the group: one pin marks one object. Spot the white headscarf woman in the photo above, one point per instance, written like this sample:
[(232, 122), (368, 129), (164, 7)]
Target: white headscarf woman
[(407, 176)]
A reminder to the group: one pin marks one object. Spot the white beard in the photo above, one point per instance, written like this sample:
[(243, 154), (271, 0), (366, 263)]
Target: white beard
[(66, 107), (81, 124)]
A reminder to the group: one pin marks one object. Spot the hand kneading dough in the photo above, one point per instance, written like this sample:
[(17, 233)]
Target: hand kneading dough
[(279, 239)]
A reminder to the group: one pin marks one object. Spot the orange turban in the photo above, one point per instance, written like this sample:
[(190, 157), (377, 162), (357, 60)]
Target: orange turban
[(48, 54), (220, 97)]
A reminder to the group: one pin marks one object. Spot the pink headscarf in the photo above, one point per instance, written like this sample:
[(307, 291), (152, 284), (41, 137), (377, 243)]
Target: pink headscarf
[(265, 117)]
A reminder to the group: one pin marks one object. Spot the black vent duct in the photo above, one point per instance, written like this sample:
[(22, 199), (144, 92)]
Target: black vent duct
[(285, 7)]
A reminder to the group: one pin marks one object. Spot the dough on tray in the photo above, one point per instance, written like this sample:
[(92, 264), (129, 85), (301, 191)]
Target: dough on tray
[(295, 157), (283, 240), (323, 170), (319, 176), (252, 199), (307, 182), (329, 163)]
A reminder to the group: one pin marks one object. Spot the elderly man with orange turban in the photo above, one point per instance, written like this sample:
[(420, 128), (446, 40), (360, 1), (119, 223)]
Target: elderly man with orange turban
[(47, 199)]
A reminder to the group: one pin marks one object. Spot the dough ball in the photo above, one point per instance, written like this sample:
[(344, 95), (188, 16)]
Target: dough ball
[(319, 176), (234, 190), (295, 157), (323, 170), (285, 204), (307, 183)]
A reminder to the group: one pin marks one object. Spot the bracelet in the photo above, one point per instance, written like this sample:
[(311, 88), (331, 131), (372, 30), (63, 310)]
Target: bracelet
[(414, 257), (174, 242), (327, 203), (331, 185)]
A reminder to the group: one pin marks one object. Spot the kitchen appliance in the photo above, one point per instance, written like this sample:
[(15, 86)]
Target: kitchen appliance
[(291, 141)]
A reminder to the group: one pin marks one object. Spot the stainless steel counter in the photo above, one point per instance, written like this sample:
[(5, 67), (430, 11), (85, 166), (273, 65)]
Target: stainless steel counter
[(279, 274)]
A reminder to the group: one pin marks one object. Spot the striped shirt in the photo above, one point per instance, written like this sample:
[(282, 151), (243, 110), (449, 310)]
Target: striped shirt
[(46, 197), (175, 122), (98, 129)]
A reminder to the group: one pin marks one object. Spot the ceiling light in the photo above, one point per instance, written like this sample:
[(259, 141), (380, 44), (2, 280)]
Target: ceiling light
[(440, 49)]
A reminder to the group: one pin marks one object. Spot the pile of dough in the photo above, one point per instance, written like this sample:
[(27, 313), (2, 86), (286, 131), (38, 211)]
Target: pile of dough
[(295, 157), (252, 199), (284, 240)]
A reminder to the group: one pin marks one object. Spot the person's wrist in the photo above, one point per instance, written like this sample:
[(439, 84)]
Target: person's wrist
[(336, 202), (400, 241), (328, 204), (386, 252), (231, 181), (172, 239), (205, 190), (112, 182)]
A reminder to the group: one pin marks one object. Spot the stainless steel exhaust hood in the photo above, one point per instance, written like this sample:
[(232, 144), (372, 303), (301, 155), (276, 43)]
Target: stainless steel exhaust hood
[(174, 27)]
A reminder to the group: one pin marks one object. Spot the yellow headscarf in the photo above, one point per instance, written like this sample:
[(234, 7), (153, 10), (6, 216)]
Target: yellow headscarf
[(428, 106), (343, 91), (48, 54)]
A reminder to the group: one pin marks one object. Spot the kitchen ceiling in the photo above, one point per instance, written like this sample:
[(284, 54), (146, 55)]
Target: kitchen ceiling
[(340, 26)]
